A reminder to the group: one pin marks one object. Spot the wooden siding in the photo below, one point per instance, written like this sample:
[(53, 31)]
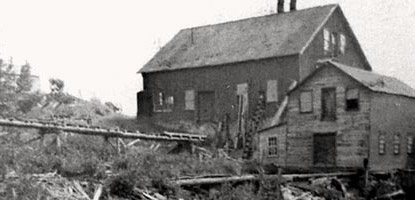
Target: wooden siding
[(223, 80), (280, 133), (391, 115), (351, 127), (315, 51)]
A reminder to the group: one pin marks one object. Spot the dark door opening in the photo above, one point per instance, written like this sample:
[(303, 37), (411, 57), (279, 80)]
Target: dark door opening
[(324, 149), (206, 106), (328, 104)]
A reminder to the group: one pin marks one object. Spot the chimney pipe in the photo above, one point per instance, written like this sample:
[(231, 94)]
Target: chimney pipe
[(280, 7), (293, 5)]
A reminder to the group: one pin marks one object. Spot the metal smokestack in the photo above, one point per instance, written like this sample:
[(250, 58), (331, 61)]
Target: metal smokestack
[(293, 5), (280, 6)]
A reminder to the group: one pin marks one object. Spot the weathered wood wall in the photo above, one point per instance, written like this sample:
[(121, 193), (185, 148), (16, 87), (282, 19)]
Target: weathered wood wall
[(280, 133), (351, 127), (390, 115)]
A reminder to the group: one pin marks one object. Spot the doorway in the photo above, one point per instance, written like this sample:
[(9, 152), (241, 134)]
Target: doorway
[(324, 149), (206, 106)]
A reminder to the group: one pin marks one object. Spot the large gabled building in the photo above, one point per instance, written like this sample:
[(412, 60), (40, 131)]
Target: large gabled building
[(219, 73)]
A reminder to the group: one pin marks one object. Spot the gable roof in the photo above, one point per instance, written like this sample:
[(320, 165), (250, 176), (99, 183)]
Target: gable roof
[(255, 38), (372, 81)]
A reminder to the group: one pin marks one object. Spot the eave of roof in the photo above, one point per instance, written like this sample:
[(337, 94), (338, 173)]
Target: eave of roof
[(404, 89)]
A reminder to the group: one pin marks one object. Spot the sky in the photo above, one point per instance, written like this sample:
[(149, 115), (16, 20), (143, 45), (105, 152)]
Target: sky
[(97, 46)]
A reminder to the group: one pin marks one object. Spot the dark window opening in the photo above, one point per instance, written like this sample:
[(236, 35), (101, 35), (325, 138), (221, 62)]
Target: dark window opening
[(352, 104), (352, 99), (328, 104)]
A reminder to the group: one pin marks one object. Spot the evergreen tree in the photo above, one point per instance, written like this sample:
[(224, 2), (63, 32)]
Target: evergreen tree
[(24, 81)]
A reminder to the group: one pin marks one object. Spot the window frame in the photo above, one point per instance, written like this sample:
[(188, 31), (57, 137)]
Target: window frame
[(300, 102), (326, 41), (162, 102), (396, 144), (272, 145), (342, 43), (334, 42), (328, 118), (382, 144), (190, 100), (346, 99), (409, 144), (272, 95)]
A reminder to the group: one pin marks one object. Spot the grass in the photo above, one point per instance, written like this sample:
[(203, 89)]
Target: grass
[(88, 158)]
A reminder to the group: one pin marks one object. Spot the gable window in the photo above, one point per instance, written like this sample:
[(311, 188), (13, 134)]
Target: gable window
[(326, 35), (189, 99), (382, 144), (272, 146), (306, 102), (410, 144), (162, 102), (342, 43), (272, 91), (328, 104), (396, 143), (334, 44), (352, 99)]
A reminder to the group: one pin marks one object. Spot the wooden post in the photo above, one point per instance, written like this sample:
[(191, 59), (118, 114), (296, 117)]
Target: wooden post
[(366, 167), (59, 134), (58, 144), (279, 192), (107, 140)]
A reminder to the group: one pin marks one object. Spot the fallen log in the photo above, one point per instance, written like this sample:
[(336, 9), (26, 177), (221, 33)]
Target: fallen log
[(399, 193), (243, 178)]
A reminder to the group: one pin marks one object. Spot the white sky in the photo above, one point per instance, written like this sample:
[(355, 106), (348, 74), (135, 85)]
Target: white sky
[(97, 46)]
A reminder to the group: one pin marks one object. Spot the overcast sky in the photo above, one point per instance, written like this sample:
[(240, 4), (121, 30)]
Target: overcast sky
[(97, 46)]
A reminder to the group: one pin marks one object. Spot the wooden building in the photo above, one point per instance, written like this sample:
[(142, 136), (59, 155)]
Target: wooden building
[(220, 73), (339, 116)]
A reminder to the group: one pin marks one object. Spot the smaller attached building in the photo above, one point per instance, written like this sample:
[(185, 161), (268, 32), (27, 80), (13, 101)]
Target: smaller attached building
[(340, 116)]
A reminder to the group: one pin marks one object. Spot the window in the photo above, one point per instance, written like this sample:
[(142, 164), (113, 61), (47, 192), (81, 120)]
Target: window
[(272, 91), (326, 35), (342, 43), (410, 144), (352, 99), (396, 143), (306, 102), (328, 104), (382, 144), (163, 103), (334, 44), (189, 98), (272, 146)]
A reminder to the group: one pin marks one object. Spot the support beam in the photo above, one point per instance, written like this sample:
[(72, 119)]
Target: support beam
[(110, 133)]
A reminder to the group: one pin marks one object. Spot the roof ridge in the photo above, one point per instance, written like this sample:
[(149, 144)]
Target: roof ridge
[(356, 69), (256, 17), (388, 84)]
